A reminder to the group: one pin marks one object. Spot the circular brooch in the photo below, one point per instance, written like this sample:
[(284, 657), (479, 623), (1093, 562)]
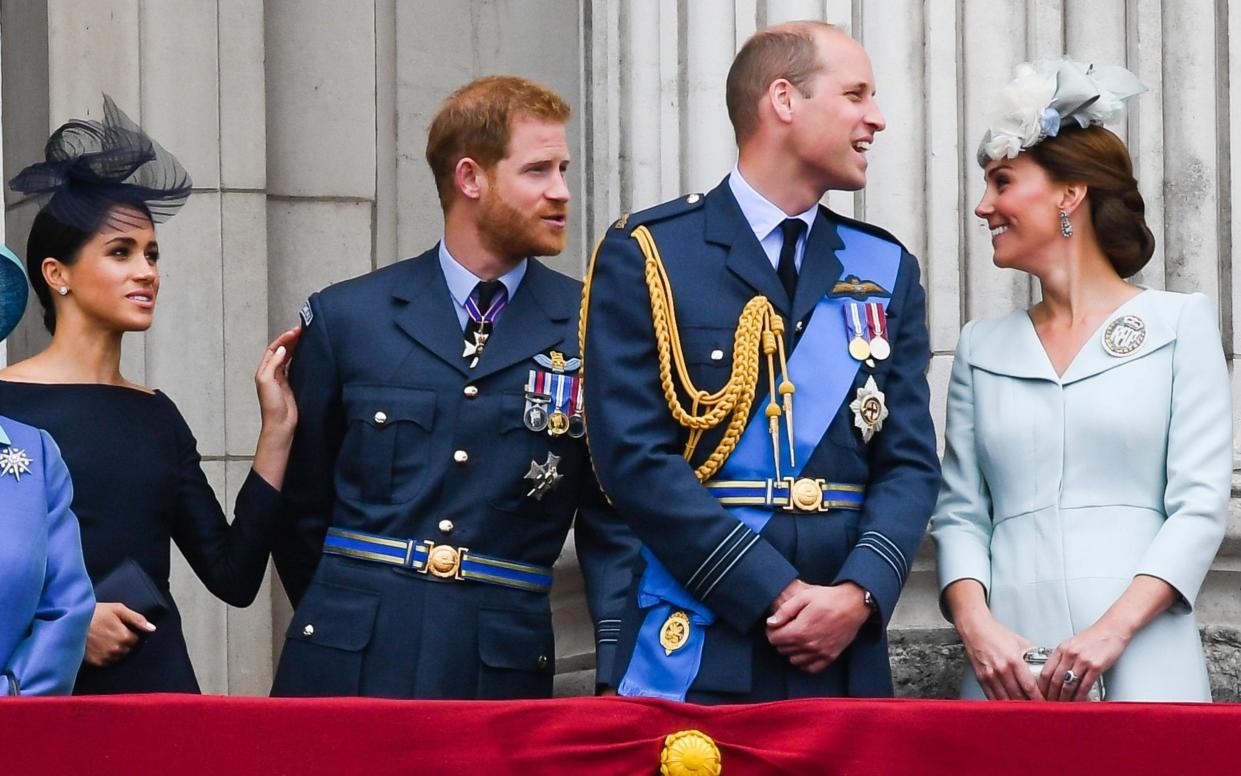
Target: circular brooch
[(1124, 335)]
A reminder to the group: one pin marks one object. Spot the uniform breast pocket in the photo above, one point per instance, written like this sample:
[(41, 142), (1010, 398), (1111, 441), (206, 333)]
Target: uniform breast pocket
[(385, 450), (709, 354)]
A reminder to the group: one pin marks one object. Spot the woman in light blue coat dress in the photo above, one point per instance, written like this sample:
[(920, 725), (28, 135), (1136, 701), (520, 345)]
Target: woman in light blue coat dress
[(46, 601), (1089, 439)]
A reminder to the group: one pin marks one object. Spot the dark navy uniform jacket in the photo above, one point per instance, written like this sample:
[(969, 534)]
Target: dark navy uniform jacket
[(450, 445), (715, 265)]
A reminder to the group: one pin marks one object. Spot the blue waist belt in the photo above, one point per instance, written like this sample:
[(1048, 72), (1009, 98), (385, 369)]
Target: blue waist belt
[(802, 494), (438, 560)]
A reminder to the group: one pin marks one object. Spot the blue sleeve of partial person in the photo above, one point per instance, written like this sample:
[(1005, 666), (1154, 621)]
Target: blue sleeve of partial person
[(46, 662)]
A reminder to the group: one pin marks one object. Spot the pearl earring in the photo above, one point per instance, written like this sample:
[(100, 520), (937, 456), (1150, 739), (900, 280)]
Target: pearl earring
[(63, 290)]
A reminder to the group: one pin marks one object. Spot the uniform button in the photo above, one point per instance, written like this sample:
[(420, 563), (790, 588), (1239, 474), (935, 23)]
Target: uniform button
[(461, 456), (446, 526), (717, 354), (692, 198), (381, 417), (470, 391), (308, 631), (543, 661), (800, 325)]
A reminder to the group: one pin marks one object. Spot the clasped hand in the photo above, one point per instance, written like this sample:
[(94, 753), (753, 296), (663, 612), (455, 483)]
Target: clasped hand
[(113, 632), (813, 624)]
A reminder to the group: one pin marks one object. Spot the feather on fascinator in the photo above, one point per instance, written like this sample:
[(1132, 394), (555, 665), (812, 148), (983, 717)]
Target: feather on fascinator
[(90, 167), (1044, 95)]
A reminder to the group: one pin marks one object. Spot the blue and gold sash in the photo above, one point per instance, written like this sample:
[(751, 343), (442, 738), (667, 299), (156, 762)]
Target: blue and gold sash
[(823, 371)]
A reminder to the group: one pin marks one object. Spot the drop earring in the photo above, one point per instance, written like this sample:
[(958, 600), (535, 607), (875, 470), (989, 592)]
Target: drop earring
[(63, 290), (1066, 226)]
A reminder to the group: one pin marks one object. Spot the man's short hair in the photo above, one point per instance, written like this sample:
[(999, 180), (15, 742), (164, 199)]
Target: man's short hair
[(787, 51), (476, 120)]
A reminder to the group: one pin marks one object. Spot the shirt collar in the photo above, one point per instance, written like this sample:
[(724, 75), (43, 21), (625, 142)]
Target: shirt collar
[(461, 281), (4, 438), (762, 214)]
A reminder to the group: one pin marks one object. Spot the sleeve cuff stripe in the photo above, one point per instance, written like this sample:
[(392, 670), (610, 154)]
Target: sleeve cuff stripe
[(713, 573), (895, 551), (899, 578), (693, 579), (753, 540)]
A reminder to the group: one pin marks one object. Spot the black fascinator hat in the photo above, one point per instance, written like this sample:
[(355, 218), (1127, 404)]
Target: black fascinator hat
[(90, 167)]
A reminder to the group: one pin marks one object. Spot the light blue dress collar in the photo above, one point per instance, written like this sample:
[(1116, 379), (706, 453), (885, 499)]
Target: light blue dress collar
[(764, 216)]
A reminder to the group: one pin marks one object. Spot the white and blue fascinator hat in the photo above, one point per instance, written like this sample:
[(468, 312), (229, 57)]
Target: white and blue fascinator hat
[(12, 291), (1045, 95)]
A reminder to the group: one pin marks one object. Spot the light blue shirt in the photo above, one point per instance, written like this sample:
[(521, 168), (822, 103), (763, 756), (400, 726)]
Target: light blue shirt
[(461, 281), (765, 218)]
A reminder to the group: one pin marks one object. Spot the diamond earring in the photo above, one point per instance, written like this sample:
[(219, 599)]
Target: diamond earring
[(1066, 226), (63, 290)]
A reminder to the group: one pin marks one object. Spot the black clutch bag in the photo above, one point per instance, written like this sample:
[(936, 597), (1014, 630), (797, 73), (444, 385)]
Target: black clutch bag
[(128, 584)]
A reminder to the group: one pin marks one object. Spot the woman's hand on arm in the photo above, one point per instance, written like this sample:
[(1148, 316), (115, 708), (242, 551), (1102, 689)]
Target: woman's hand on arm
[(113, 633), (1096, 649), (277, 408), (996, 654)]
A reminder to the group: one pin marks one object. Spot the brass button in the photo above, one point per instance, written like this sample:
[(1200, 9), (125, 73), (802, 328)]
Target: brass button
[(308, 631), (446, 526), (543, 661), (381, 417), (692, 198), (461, 456), (470, 391), (717, 354)]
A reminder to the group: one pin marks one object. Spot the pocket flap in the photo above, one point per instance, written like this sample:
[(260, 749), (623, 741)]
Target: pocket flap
[(382, 405), (334, 616), (520, 641)]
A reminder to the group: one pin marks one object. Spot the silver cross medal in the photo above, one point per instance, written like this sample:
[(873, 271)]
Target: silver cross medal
[(14, 461), (544, 476), (473, 350)]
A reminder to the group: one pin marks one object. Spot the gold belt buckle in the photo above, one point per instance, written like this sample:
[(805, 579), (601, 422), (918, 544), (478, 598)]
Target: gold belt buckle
[(444, 560), (805, 495)]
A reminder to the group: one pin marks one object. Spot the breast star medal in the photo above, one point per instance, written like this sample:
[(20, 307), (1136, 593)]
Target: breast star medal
[(1124, 335), (674, 633), (544, 476), (14, 461), (869, 409)]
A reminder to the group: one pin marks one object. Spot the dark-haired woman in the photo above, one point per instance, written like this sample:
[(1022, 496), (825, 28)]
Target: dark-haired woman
[(1089, 439), (93, 261)]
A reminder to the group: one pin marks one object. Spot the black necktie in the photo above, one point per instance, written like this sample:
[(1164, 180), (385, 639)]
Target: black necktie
[(485, 303), (787, 268)]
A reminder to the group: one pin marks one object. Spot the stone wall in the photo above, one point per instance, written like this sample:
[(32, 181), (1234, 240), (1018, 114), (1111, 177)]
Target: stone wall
[(303, 124)]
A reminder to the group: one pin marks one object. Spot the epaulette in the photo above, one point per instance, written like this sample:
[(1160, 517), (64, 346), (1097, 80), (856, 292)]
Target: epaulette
[(879, 232), (660, 212)]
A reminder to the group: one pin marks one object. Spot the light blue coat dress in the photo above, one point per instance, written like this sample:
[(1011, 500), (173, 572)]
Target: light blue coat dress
[(46, 600), (1057, 491)]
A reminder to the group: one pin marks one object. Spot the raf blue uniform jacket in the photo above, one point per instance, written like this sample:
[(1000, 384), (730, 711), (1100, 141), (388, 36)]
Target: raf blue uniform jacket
[(451, 448), (46, 600), (715, 265)]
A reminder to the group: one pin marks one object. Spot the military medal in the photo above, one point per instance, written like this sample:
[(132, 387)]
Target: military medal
[(14, 461), (577, 419), (558, 423), (859, 348), (474, 346), (877, 322), (544, 476), (674, 633), (869, 409), (535, 415), (1124, 335), (476, 340)]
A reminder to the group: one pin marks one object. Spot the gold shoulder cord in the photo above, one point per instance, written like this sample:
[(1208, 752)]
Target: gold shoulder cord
[(759, 327)]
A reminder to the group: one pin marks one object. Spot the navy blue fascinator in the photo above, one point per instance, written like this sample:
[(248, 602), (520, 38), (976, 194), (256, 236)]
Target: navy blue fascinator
[(90, 167)]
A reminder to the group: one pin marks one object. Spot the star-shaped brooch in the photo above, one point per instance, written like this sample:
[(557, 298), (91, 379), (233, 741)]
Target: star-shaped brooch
[(544, 476), (14, 461)]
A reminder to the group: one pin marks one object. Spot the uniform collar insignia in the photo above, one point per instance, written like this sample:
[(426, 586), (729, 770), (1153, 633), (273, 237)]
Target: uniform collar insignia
[(853, 286)]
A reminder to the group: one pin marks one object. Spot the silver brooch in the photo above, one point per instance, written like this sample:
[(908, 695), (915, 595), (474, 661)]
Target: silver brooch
[(1124, 335), (14, 461)]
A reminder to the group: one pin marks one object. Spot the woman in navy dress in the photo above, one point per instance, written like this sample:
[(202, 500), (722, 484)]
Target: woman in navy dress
[(93, 261), (45, 595)]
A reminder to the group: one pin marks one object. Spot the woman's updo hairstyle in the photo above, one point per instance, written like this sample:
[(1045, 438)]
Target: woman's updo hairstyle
[(1098, 158)]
